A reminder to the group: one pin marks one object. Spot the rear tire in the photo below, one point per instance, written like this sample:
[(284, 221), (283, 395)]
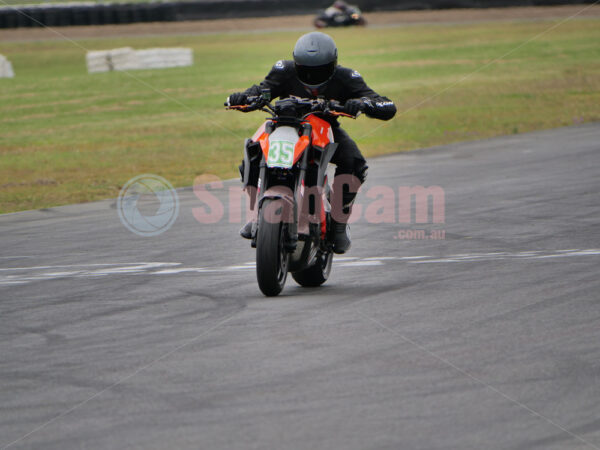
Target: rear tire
[(271, 256), (316, 274)]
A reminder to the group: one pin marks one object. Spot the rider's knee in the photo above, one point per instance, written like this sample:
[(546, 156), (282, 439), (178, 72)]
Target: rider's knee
[(357, 170), (361, 170)]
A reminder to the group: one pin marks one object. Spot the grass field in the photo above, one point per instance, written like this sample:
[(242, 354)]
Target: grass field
[(67, 136)]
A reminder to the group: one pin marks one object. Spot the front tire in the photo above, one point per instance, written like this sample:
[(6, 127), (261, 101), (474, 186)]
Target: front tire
[(316, 274), (271, 256)]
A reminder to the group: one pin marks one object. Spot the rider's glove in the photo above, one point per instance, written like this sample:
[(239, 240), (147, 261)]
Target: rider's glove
[(354, 106), (368, 106), (237, 99)]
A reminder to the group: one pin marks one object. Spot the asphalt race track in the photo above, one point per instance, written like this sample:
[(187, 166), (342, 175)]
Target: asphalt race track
[(487, 339)]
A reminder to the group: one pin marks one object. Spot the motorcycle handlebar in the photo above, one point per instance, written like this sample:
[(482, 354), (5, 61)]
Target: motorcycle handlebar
[(331, 107)]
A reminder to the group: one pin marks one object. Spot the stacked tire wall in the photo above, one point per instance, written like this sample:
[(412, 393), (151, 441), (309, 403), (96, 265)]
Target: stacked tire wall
[(121, 13), (101, 14)]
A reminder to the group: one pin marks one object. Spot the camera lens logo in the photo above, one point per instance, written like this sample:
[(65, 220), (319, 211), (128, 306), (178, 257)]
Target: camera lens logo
[(148, 205)]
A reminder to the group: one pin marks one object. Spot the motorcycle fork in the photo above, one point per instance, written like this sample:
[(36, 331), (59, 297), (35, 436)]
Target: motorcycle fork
[(300, 181), (290, 199), (261, 187), (290, 228)]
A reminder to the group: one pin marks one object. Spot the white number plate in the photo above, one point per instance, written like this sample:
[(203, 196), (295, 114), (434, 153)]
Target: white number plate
[(281, 154)]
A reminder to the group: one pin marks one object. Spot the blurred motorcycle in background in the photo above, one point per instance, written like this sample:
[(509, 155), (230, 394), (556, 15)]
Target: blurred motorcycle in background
[(340, 14)]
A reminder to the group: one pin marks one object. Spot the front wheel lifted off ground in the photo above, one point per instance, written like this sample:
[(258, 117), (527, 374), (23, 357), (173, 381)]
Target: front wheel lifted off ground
[(271, 256)]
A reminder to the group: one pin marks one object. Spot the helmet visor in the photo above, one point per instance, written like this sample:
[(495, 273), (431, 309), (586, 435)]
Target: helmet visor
[(315, 75)]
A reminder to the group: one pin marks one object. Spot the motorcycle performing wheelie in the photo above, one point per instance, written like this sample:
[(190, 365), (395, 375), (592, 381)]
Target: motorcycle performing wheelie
[(293, 227)]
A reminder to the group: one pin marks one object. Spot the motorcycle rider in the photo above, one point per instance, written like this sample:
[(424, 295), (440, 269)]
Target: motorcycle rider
[(340, 14), (338, 7), (313, 73)]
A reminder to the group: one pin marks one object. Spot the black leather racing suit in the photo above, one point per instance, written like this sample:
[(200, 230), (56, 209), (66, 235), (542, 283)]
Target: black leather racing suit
[(345, 84)]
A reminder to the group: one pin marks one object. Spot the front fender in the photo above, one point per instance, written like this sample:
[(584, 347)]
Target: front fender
[(281, 211)]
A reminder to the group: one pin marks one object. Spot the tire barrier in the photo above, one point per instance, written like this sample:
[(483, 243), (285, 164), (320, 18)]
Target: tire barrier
[(119, 13), (127, 58), (6, 69), (87, 14), (391, 5)]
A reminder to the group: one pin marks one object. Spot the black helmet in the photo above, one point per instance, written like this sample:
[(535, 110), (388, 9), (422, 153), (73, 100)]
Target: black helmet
[(315, 55)]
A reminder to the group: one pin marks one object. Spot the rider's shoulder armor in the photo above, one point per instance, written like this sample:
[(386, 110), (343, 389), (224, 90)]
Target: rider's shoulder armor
[(355, 87), (284, 68), (348, 76)]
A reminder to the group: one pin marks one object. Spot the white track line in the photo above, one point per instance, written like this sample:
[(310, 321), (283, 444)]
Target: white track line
[(25, 275)]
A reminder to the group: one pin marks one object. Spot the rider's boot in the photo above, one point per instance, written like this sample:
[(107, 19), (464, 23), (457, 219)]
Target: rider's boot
[(341, 237), (348, 187), (341, 229), (246, 230)]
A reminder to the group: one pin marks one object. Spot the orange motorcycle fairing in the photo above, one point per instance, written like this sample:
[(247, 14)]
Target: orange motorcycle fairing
[(322, 134), (300, 146), (261, 130), (262, 137)]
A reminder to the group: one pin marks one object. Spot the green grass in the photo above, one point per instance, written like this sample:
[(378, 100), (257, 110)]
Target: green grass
[(67, 136)]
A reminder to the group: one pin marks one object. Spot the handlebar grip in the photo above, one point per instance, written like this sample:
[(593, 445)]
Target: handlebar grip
[(336, 106)]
